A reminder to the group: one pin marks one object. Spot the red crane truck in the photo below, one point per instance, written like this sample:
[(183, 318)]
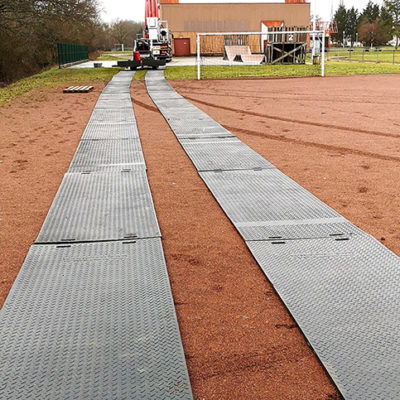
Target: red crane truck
[(153, 49)]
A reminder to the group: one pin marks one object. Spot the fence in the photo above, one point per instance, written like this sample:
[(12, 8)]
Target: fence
[(71, 53), (258, 50), (364, 55)]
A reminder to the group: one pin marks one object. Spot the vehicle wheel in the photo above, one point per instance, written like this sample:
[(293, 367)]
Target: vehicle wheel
[(155, 67), (133, 68)]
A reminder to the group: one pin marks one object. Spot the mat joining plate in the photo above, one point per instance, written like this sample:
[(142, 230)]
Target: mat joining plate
[(345, 297), (92, 321), (337, 227), (92, 153), (101, 206)]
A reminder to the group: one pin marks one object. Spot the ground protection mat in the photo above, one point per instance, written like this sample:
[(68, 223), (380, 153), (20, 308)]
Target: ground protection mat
[(95, 320), (344, 295), (339, 284), (92, 321), (91, 153), (101, 206)]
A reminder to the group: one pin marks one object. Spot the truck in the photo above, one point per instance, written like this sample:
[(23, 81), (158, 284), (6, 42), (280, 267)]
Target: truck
[(153, 48)]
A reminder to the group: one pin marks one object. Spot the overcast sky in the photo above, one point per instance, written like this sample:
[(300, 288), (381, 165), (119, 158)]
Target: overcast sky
[(134, 9)]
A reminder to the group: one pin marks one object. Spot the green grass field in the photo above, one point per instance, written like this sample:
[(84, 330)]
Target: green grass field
[(56, 77), (387, 55), (64, 77), (275, 71)]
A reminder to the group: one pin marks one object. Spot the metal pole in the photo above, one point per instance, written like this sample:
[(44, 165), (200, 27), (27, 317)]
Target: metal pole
[(323, 56), (314, 28), (198, 57)]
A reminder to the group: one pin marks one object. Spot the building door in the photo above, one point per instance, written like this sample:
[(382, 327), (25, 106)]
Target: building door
[(182, 47)]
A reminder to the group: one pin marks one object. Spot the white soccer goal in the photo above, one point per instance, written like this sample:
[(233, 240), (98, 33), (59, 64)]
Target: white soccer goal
[(236, 49)]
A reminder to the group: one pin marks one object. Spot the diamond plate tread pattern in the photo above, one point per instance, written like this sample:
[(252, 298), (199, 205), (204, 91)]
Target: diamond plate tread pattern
[(92, 321), (110, 131), (113, 104), (340, 284), (344, 295), (101, 206), (113, 115), (92, 153), (265, 195), (224, 155)]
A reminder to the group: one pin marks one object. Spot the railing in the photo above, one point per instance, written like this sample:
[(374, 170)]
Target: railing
[(365, 55), (71, 53)]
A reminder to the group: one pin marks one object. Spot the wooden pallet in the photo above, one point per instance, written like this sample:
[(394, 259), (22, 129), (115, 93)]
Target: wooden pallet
[(78, 89)]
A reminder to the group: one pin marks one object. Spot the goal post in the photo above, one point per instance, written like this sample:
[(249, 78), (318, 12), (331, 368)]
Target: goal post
[(260, 48)]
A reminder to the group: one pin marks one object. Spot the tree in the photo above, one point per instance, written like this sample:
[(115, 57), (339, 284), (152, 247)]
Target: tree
[(392, 9), (372, 33), (371, 12), (347, 23), (352, 24), (30, 30), (124, 32), (341, 20)]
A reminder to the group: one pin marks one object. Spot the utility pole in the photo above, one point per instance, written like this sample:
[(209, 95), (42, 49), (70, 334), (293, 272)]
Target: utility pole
[(314, 28)]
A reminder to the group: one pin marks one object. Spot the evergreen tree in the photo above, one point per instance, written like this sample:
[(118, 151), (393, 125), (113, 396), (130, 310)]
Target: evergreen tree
[(392, 17), (341, 20), (371, 12), (352, 24)]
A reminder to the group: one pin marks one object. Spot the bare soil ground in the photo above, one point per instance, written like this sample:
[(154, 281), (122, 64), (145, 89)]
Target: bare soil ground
[(338, 137), (39, 133)]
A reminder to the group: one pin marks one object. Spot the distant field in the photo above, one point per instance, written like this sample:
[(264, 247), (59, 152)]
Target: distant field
[(386, 55), (274, 71)]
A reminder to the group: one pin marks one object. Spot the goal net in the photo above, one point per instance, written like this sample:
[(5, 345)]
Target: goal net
[(269, 53)]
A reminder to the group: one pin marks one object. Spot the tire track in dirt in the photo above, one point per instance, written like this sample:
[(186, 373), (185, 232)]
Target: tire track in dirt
[(290, 98), (144, 105), (328, 147), (283, 138), (296, 121)]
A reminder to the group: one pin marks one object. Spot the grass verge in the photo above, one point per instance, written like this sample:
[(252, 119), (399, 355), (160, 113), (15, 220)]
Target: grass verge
[(140, 75), (355, 68), (278, 71), (56, 77)]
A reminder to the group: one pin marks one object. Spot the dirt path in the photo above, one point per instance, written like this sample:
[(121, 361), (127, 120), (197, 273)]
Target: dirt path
[(239, 340), (39, 133)]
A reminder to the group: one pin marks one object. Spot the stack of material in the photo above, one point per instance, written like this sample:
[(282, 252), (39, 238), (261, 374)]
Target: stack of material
[(78, 89)]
